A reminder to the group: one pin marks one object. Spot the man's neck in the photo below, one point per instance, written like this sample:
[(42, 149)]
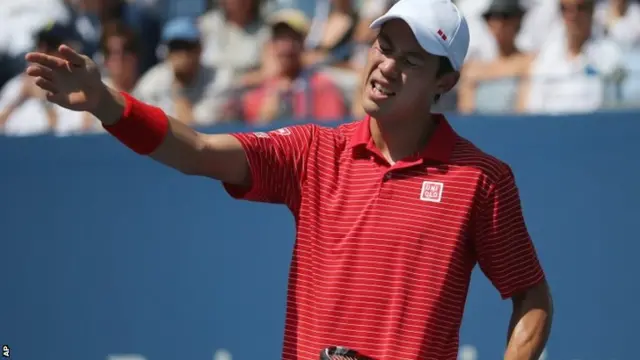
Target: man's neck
[(124, 83), (619, 7), (399, 140), (507, 51), (290, 74), (239, 20), (575, 45), (186, 79)]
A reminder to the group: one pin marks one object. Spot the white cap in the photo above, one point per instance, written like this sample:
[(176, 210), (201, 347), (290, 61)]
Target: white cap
[(438, 26)]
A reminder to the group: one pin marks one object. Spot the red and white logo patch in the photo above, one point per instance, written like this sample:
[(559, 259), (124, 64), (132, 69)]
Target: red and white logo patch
[(283, 131), (431, 191), (261, 134)]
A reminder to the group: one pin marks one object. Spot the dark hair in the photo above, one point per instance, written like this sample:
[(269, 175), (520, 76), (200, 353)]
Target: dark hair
[(120, 30), (256, 8), (444, 67)]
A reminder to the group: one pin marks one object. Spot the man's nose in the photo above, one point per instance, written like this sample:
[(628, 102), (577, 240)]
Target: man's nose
[(389, 68)]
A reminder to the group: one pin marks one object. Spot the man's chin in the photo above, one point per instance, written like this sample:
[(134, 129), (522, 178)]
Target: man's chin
[(374, 109)]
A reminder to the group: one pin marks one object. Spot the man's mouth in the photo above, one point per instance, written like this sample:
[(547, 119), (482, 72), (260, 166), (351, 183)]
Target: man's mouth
[(379, 89)]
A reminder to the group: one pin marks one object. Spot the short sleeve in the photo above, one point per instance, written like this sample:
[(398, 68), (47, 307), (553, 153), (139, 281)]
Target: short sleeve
[(277, 161), (504, 248)]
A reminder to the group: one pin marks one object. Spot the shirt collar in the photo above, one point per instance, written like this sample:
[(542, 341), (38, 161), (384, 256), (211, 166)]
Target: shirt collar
[(439, 147)]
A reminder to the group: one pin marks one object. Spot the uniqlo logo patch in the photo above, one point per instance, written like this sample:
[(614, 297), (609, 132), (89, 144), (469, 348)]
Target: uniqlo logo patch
[(283, 131), (431, 191)]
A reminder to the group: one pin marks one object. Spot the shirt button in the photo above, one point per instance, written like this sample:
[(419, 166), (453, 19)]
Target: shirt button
[(387, 176)]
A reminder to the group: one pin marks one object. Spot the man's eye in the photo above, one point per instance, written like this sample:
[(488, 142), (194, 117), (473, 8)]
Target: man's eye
[(384, 48), (411, 62)]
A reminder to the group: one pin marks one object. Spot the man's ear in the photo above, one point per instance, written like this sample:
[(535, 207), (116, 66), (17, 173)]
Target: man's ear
[(448, 81)]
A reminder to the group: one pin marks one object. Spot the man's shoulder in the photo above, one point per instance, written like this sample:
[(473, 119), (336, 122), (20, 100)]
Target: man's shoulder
[(472, 158), (340, 130), (322, 136)]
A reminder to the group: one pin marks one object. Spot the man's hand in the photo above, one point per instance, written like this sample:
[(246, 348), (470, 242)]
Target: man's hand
[(72, 80), (530, 323)]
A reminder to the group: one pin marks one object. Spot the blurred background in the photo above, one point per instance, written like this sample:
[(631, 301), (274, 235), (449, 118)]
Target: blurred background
[(106, 255), (259, 61)]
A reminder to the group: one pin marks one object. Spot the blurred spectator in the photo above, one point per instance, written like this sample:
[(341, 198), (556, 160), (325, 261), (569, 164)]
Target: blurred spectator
[(572, 72), (330, 39), (119, 45), (293, 91), (494, 85), (540, 14), (234, 35), (90, 16), (363, 36), (182, 85), (620, 19), (24, 109), (19, 20)]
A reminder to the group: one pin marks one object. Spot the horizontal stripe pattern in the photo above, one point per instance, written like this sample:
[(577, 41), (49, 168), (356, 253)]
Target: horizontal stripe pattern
[(375, 268)]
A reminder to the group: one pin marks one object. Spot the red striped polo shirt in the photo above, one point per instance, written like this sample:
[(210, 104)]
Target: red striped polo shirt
[(384, 253)]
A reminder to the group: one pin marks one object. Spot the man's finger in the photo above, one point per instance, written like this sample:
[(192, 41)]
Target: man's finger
[(45, 60), (36, 70), (71, 55), (46, 85), (56, 98)]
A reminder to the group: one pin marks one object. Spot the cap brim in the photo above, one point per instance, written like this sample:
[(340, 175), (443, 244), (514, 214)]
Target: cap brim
[(190, 39), (427, 41), (292, 19), (504, 10), (295, 26)]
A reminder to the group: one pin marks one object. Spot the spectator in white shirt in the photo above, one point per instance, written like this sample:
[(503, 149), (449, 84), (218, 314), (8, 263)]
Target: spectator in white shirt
[(620, 19), (573, 73), (234, 35), (182, 86), (494, 85), (540, 14), (24, 109)]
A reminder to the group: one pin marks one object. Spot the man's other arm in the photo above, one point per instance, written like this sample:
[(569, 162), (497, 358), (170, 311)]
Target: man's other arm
[(530, 323), (507, 256)]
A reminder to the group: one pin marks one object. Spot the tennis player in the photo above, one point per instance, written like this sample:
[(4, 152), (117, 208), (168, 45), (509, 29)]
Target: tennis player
[(392, 212)]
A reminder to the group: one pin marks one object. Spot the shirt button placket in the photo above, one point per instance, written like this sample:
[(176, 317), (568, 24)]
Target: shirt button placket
[(385, 186)]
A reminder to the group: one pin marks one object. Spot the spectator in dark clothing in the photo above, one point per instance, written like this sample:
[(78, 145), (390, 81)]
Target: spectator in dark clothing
[(90, 15)]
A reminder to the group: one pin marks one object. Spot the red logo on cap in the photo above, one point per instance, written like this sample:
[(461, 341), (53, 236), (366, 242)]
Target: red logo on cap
[(442, 34)]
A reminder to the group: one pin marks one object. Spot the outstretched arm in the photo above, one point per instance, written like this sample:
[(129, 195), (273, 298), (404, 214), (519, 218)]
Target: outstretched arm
[(218, 156), (73, 81), (266, 167)]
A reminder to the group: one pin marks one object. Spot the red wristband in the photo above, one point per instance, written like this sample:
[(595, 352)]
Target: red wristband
[(142, 127)]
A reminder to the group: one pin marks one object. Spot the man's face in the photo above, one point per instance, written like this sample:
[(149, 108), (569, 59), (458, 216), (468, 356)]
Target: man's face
[(184, 56), (98, 6), (238, 7), (401, 78), (287, 47), (120, 61), (504, 27), (578, 17)]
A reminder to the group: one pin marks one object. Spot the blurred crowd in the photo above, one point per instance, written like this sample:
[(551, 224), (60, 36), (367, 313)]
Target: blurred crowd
[(259, 61)]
